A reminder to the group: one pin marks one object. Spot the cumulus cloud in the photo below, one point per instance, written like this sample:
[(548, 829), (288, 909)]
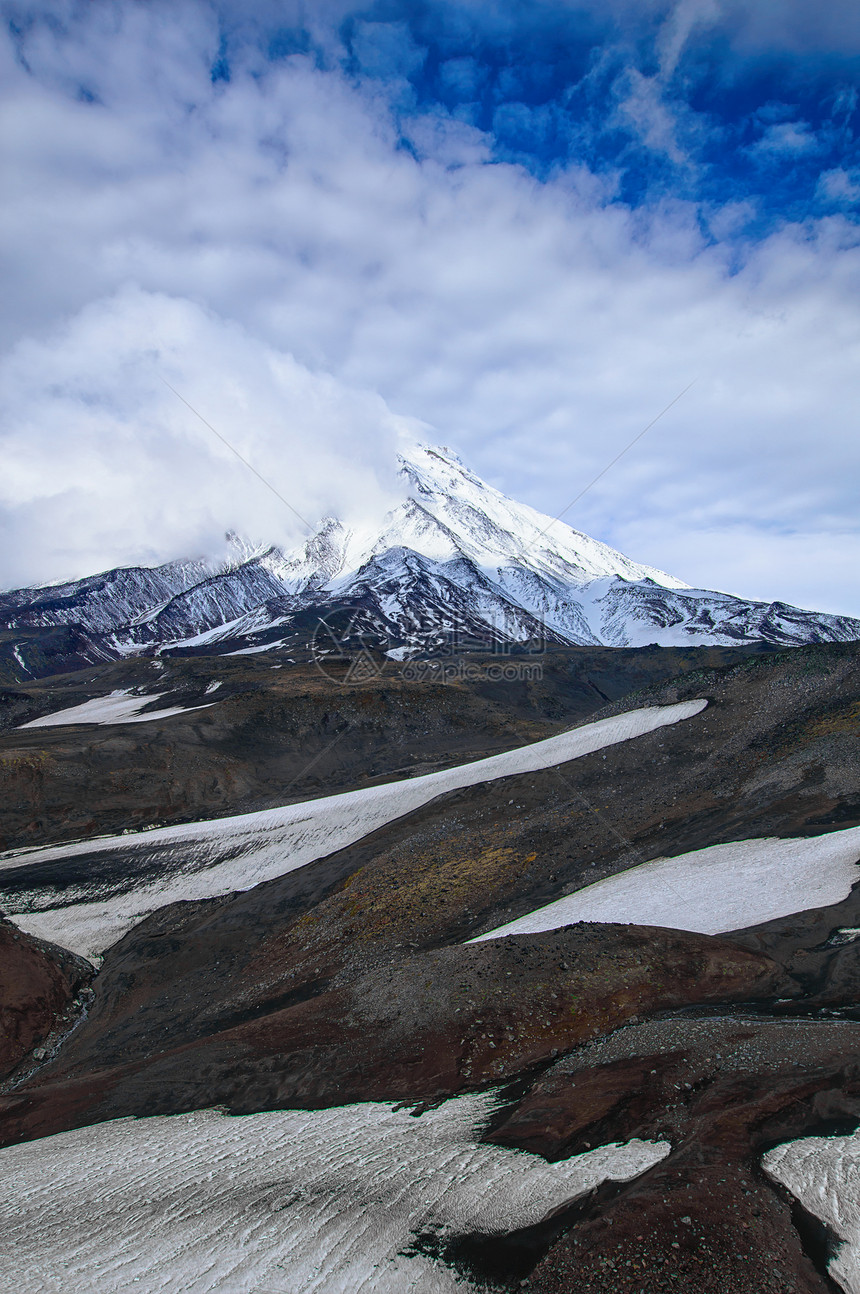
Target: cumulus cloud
[(315, 259), (786, 138), (103, 464)]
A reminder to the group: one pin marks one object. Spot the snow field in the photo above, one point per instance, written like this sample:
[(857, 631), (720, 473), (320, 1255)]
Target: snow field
[(322, 1202), (211, 858), (710, 891), (116, 707), (823, 1173)]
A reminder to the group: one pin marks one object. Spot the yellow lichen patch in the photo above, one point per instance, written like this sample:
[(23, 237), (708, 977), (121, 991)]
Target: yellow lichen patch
[(845, 719), (837, 722), (24, 762), (429, 889)]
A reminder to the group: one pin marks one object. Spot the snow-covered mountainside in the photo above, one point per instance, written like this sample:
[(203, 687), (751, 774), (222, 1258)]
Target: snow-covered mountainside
[(456, 563)]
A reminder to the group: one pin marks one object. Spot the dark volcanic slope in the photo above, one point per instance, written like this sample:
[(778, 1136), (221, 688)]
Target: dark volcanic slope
[(38, 986), (272, 733), (349, 980)]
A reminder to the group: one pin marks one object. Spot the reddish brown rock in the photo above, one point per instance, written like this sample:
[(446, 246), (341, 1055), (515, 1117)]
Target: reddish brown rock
[(419, 1028), (721, 1091), (38, 983), (693, 1225)]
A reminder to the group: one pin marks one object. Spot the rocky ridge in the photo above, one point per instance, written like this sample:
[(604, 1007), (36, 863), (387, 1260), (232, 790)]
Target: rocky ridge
[(457, 565)]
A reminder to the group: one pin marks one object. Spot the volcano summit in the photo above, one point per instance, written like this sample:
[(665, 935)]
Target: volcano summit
[(456, 562)]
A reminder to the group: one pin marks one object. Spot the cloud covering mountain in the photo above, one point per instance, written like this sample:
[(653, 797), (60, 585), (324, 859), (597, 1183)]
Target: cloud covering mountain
[(525, 227), (456, 566)]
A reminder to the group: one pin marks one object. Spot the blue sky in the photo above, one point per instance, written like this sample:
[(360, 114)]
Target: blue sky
[(517, 228), (696, 101)]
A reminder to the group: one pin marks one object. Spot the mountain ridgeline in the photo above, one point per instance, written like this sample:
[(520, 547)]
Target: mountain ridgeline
[(456, 564)]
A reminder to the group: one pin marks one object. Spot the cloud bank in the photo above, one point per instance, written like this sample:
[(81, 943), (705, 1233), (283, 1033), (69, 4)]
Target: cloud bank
[(523, 230), (108, 460)]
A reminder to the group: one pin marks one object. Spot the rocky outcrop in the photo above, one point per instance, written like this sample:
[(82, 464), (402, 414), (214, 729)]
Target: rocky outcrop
[(415, 1028), (38, 985)]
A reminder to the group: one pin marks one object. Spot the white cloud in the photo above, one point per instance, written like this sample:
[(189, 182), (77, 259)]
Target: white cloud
[(273, 241), (684, 19), (787, 138), (104, 465), (767, 26), (645, 109), (840, 185)]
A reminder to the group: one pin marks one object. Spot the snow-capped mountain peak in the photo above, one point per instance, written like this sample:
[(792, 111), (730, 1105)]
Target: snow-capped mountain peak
[(450, 512), (455, 562)]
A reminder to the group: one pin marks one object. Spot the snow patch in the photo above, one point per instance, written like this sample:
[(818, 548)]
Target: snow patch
[(323, 1201), (211, 858), (710, 891), (823, 1173), (116, 707), (399, 653), (252, 651), (16, 652)]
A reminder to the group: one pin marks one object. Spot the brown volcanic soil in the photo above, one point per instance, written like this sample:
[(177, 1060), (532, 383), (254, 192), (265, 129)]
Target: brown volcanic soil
[(416, 1028), (348, 980), (703, 1224), (722, 1090), (273, 732), (38, 985)]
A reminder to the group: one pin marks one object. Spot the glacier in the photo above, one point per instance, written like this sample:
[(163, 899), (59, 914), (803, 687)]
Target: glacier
[(713, 890), (322, 1201)]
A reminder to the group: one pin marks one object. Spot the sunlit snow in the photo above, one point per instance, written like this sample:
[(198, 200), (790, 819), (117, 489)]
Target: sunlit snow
[(117, 707), (823, 1173), (723, 887), (210, 858), (322, 1202), (453, 513)]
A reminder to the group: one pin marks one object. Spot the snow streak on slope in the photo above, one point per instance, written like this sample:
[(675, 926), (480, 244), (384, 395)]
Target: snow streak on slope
[(102, 602), (710, 891), (823, 1173), (322, 1202), (117, 707), (204, 859)]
